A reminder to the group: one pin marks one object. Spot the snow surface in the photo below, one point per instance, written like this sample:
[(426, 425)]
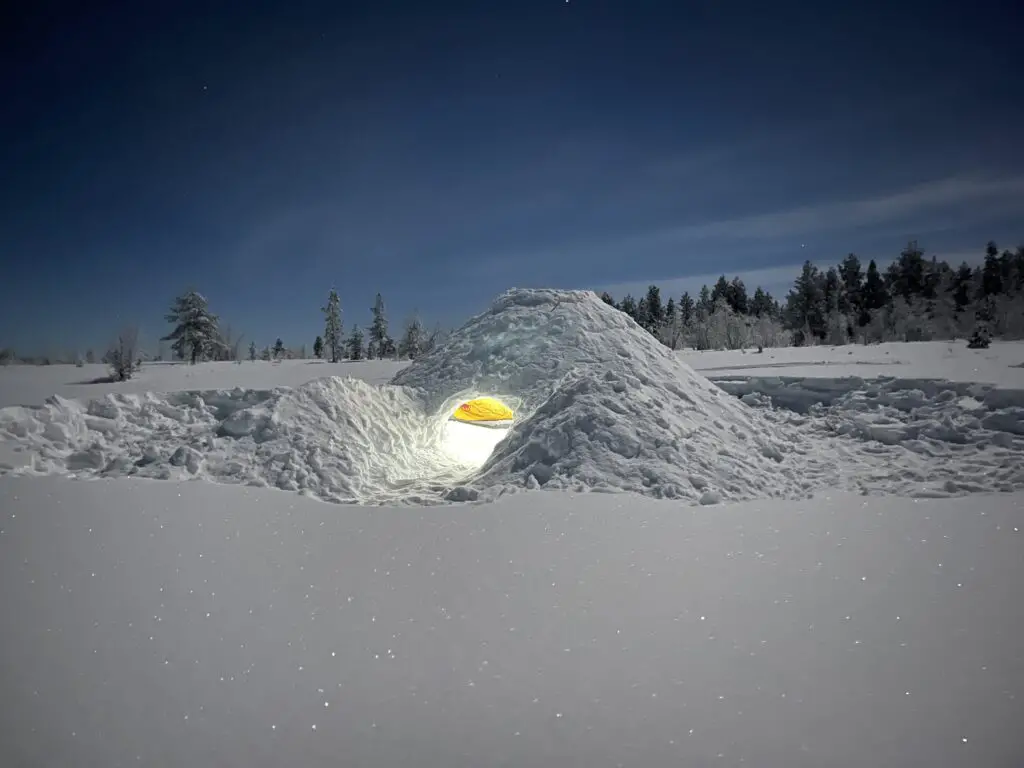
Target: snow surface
[(601, 406), (1001, 364), (32, 385), (185, 624), (161, 622)]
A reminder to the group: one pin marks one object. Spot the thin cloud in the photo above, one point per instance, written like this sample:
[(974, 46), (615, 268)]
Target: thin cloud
[(929, 198), (967, 199)]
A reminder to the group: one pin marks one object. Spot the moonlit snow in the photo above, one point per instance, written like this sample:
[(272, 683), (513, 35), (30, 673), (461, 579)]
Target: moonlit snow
[(177, 593), (600, 404)]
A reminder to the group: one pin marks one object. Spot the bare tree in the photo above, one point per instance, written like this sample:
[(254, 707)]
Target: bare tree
[(123, 357), (768, 331), (230, 343)]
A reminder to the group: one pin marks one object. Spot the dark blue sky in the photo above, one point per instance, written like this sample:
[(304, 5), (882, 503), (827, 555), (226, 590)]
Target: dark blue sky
[(440, 152)]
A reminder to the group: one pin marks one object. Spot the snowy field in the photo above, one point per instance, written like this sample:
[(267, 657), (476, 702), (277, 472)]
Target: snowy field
[(1002, 364), (32, 385), (197, 624), (661, 569)]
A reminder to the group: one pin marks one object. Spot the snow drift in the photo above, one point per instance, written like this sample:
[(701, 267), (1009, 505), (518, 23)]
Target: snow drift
[(339, 439), (599, 404)]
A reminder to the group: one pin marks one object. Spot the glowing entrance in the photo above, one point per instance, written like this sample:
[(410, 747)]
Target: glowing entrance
[(474, 429)]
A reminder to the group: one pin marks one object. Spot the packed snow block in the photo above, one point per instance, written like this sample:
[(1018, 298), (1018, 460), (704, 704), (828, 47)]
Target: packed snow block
[(601, 405)]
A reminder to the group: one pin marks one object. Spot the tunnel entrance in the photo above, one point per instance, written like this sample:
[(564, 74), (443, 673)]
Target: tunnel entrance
[(474, 428)]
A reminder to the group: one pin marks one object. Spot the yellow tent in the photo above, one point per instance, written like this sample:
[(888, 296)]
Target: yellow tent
[(484, 412)]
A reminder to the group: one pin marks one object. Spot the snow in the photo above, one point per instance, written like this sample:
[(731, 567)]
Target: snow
[(1001, 364), (32, 385), (600, 404), (816, 614), (162, 623)]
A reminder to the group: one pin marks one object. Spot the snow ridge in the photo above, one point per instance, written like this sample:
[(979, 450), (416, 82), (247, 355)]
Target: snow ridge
[(339, 439)]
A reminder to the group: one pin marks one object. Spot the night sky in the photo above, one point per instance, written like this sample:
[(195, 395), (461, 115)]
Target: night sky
[(441, 152)]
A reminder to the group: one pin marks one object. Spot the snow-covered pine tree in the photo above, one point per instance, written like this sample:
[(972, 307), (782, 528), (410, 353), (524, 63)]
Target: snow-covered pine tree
[(992, 272), (737, 297), (837, 324), (671, 332), (643, 315), (355, 343), (704, 303), (654, 310), (876, 295), (1017, 271), (628, 305), (318, 348), (380, 342), (805, 305), (852, 278), (961, 284), (720, 293), (687, 309), (761, 304), (195, 335), (332, 326), (906, 277), (412, 341)]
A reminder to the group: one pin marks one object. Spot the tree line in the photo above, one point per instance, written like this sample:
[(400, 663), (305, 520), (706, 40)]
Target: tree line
[(197, 335), (914, 299)]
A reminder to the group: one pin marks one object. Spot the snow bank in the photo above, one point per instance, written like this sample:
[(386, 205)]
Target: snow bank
[(600, 406), (339, 439)]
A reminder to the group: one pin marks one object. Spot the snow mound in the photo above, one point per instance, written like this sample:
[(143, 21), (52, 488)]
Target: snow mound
[(601, 405), (339, 439)]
